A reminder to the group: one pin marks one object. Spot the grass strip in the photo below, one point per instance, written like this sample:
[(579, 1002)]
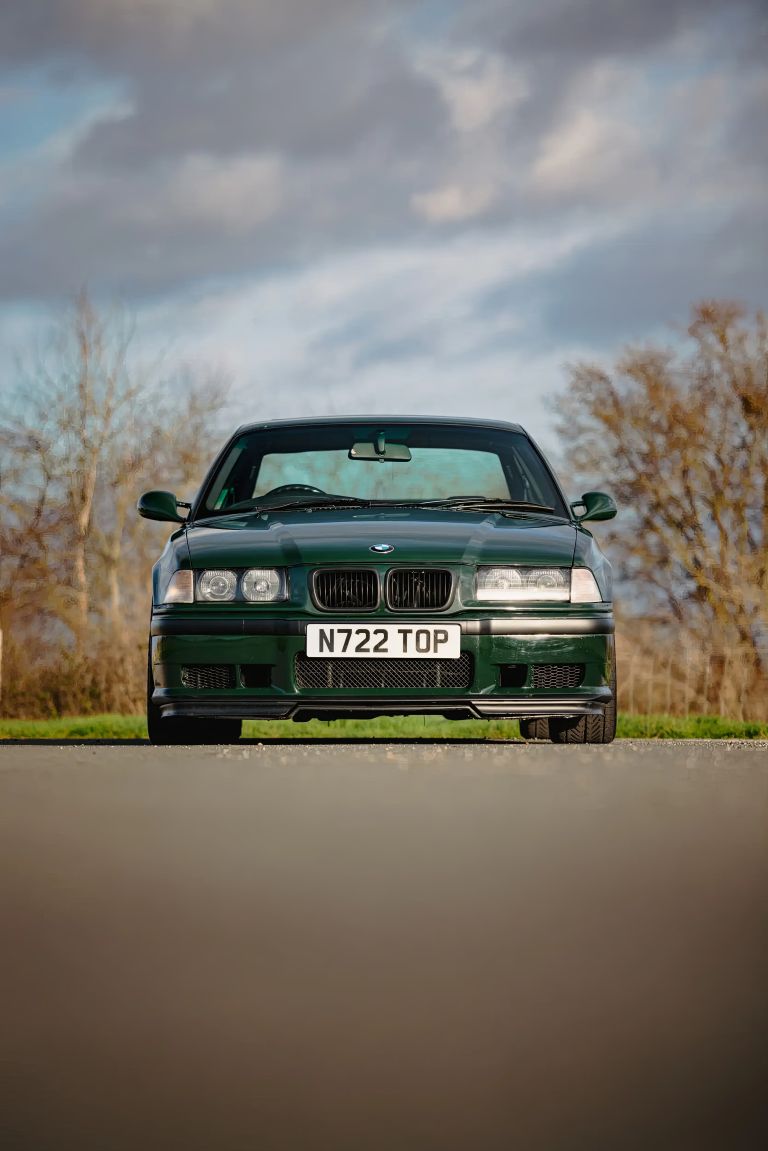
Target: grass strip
[(112, 727)]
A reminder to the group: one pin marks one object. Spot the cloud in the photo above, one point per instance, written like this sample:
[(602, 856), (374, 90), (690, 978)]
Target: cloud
[(477, 87), (132, 36), (235, 194), (632, 285), (482, 94), (420, 328), (598, 29), (259, 150), (600, 149), (453, 203)]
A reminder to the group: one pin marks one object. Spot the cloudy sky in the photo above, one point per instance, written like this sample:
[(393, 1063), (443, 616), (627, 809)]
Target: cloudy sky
[(411, 205)]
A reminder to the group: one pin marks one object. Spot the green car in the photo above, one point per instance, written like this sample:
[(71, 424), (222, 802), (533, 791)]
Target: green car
[(367, 566)]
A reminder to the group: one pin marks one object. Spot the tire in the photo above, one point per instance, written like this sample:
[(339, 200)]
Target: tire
[(165, 732), (587, 728), (534, 728)]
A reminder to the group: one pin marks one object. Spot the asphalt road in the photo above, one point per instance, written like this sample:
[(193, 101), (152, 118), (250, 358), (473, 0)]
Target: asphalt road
[(384, 948)]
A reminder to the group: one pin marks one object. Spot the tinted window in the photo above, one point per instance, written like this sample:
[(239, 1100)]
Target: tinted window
[(429, 471), (445, 461)]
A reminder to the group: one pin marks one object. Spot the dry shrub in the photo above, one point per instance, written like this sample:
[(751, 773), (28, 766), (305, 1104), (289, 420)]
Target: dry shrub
[(111, 678)]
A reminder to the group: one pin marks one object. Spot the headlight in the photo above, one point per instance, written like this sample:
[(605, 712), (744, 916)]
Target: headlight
[(257, 585), (524, 585), (537, 585), (181, 588), (217, 586), (263, 585)]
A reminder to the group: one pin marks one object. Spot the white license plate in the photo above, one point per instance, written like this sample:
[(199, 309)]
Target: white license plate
[(393, 640)]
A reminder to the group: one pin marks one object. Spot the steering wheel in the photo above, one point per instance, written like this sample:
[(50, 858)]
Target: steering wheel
[(293, 488)]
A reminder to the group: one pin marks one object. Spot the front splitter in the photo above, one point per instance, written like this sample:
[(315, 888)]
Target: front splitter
[(478, 707)]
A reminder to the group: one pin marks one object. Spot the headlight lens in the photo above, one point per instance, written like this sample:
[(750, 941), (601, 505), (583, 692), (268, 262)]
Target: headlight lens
[(181, 588), (257, 585), (217, 586), (263, 585), (524, 585)]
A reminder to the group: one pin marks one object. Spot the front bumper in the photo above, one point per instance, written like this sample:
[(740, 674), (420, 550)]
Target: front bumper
[(181, 640)]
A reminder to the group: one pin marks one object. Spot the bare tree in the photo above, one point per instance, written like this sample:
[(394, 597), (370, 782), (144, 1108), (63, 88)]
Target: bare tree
[(166, 437), (681, 436), (86, 431)]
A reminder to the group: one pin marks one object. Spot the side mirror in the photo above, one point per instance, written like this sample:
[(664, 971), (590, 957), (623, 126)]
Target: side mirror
[(597, 505), (160, 506)]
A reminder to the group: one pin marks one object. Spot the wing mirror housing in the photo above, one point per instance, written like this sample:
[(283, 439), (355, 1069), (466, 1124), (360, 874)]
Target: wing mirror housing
[(597, 506), (161, 506)]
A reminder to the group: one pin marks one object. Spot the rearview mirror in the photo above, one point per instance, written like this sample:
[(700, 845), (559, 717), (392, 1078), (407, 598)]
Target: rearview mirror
[(160, 506), (597, 505), (380, 450)]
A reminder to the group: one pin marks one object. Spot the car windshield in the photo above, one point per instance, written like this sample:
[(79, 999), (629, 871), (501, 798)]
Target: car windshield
[(397, 463)]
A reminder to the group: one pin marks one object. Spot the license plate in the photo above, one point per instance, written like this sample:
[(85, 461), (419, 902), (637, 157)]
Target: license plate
[(391, 640)]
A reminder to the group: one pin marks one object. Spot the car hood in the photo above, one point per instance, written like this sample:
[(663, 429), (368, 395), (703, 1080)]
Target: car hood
[(418, 536)]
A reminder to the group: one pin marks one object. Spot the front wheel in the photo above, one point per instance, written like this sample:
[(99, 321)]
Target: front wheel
[(176, 730), (534, 728), (588, 728)]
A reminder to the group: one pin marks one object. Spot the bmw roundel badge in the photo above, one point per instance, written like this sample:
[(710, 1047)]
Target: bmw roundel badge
[(381, 549)]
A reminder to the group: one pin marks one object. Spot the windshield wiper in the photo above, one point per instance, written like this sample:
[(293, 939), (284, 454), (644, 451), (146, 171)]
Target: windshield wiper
[(327, 503), (330, 502), (256, 507), (485, 503)]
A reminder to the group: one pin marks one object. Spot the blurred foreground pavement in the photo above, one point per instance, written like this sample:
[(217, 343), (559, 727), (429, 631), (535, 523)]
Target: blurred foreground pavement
[(384, 948)]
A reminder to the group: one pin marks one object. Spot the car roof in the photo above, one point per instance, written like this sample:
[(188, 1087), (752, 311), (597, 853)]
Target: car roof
[(375, 418)]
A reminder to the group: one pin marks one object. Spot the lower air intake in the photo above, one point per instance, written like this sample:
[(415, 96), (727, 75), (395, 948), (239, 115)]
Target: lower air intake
[(557, 675), (394, 674), (208, 676)]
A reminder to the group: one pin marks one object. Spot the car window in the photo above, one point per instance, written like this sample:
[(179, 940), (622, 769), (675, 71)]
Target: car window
[(446, 460), (430, 473)]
